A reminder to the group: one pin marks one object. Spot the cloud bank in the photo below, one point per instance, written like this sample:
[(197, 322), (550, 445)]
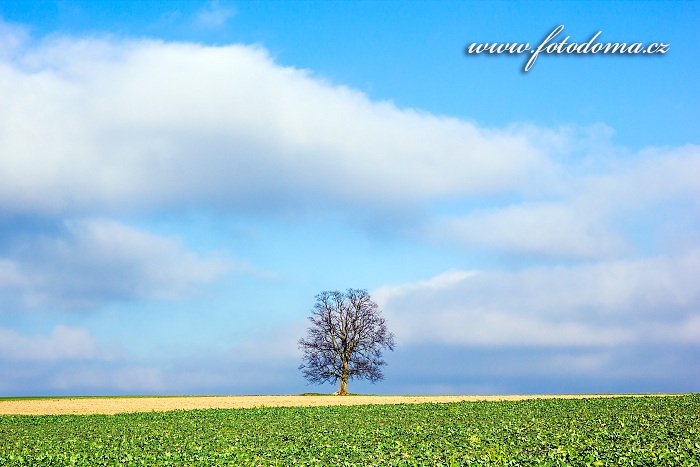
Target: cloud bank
[(114, 126), (90, 262), (608, 326), (595, 305), (107, 125)]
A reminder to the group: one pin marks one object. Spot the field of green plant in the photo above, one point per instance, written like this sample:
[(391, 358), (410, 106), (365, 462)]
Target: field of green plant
[(628, 431)]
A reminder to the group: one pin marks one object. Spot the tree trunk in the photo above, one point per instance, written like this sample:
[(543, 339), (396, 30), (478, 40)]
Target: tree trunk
[(343, 391)]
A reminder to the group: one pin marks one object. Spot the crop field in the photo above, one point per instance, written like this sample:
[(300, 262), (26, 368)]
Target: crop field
[(629, 431)]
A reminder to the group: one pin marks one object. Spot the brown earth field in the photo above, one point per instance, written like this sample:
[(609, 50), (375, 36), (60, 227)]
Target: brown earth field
[(114, 405)]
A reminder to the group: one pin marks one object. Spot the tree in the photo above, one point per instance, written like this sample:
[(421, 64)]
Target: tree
[(345, 339)]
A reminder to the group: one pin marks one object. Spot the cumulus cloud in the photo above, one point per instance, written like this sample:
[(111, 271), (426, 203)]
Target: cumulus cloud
[(90, 262), (97, 124), (595, 305)]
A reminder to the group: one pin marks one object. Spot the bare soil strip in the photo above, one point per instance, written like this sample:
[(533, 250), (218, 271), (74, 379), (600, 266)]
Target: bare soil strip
[(106, 405)]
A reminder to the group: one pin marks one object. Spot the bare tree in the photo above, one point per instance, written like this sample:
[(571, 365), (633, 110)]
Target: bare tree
[(345, 339)]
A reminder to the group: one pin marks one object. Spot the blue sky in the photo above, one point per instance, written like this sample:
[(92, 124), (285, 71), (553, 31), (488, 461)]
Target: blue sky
[(178, 180)]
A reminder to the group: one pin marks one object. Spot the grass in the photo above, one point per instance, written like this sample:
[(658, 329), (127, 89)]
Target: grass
[(545, 432)]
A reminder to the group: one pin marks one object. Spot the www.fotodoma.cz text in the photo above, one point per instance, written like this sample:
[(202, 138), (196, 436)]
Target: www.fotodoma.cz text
[(549, 46)]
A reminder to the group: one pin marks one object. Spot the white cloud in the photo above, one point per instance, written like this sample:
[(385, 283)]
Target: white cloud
[(604, 304), (64, 343), (653, 175), (600, 213), (214, 14), (109, 126), (442, 281), (73, 361), (89, 124), (94, 261), (551, 229), (70, 359), (11, 276), (12, 37)]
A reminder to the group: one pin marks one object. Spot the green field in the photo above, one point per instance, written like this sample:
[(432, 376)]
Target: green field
[(631, 431)]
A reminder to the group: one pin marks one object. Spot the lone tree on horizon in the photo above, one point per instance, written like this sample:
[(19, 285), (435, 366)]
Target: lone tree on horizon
[(345, 339)]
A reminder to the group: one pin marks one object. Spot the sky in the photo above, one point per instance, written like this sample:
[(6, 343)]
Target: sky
[(179, 179)]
